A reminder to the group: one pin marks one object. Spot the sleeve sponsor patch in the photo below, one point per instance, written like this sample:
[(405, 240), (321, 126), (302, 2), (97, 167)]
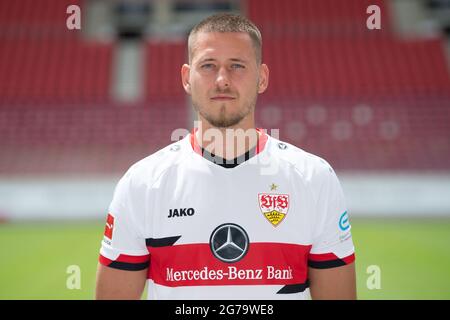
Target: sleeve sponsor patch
[(109, 226)]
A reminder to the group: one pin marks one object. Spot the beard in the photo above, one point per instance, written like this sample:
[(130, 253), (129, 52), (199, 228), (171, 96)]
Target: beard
[(225, 119)]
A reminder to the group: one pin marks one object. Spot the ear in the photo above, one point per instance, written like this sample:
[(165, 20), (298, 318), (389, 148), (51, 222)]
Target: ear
[(185, 71), (263, 78)]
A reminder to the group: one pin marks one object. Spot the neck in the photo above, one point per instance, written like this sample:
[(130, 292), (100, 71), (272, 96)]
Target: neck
[(227, 143)]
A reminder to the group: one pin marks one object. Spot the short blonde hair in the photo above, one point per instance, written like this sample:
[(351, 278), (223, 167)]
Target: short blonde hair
[(227, 22)]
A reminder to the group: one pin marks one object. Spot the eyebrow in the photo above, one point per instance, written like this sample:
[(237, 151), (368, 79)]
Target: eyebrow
[(238, 60), (232, 59), (206, 60)]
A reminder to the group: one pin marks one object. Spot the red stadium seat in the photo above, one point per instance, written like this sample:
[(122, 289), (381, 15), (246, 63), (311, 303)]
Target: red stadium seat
[(92, 139), (356, 68), (51, 70), (164, 61), (364, 100), (390, 134), (311, 18)]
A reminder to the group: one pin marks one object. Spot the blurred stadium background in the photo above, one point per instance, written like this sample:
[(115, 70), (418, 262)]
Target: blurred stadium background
[(78, 107)]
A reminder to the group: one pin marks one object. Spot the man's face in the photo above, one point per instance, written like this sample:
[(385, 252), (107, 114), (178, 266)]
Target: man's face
[(224, 78)]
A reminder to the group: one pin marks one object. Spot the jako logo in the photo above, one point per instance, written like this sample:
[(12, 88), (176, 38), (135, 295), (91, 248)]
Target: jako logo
[(344, 223), (182, 212)]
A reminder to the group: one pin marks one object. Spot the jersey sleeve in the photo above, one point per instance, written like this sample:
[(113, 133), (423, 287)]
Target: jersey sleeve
[(332, 239), (123, 246)]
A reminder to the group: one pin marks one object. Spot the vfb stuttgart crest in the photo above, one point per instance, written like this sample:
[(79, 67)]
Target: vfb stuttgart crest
[(274, 206)]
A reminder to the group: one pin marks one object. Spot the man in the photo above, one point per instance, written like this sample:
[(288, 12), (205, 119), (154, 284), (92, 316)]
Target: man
[(227, 212)]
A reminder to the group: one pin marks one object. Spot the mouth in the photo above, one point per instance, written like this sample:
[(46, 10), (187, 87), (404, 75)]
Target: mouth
[(222, 98)]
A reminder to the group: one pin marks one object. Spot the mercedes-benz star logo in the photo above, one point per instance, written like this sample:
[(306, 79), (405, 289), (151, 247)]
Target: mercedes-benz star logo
[(229, 242)]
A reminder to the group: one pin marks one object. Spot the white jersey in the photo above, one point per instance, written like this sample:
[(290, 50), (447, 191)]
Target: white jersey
[(209, 232)]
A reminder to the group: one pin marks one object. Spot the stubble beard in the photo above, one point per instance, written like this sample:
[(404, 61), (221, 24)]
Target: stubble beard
[(225, 120)]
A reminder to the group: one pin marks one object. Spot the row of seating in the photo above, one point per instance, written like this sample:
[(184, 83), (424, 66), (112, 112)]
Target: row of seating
[(311, 18), (163, 65), (40, 71), (36, 70), (91, 138), (362, 100), (370, 134), (35, 16), (318, 68), (70, 69)]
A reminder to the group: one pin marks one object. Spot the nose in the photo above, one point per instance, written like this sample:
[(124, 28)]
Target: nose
[(222, 79)]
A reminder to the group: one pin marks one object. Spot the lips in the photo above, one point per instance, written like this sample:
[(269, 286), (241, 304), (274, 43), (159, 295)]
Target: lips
[(222, 98)]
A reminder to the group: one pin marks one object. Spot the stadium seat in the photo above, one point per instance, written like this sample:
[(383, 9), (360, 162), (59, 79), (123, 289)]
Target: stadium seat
[(164, 61), (363, 100), (54, 70), (92, 139)]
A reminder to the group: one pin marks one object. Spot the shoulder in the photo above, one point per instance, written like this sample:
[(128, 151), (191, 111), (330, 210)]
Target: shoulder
[(149, 169), (313, 168)]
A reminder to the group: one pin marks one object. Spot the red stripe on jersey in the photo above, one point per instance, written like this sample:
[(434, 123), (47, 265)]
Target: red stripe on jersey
[(349, 259), (104, 261), (133, 259), (124, 258), (259, 148), (179, 265), (194, 143), (330, 257), (322, 257), (261, 141)]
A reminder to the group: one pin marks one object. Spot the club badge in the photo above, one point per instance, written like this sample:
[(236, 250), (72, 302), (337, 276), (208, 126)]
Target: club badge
[(274, 207)]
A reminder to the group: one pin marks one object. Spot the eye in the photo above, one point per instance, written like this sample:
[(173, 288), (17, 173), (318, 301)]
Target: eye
[(207, 66), (237, 66)]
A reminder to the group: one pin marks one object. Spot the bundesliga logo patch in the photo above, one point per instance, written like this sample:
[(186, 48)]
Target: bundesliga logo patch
[(109, 226), (274, 207)]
